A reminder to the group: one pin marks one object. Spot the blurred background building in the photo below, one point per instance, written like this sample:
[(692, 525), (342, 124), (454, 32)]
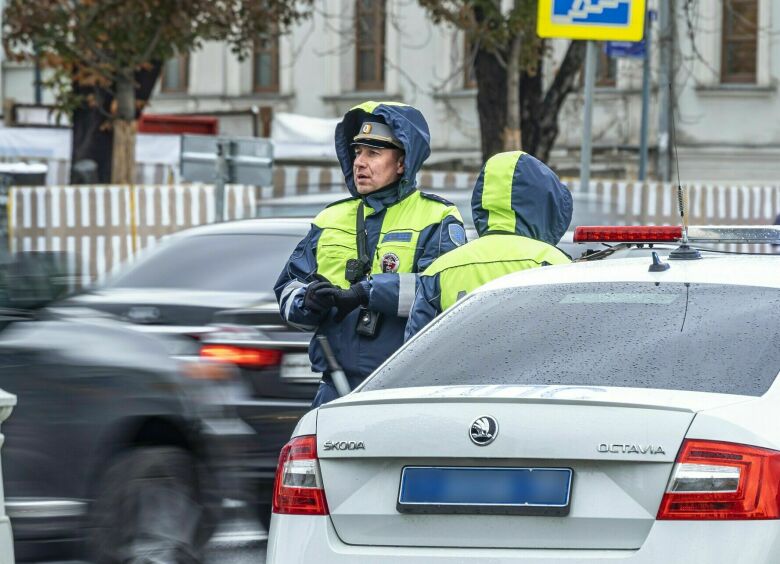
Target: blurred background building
[(725, 69)]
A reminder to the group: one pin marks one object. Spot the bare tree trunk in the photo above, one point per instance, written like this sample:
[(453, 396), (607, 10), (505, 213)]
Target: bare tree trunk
[(92, 140), (491, 102), (123, 162), (540, 109), (511, 134)]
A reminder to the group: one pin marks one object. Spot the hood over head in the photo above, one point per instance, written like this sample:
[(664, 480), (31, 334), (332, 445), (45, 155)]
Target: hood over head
[(517, 193), (408, 126)]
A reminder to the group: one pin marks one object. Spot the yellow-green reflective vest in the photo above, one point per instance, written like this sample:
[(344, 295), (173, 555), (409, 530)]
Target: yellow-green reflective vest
[(487, 258), (398, 239)]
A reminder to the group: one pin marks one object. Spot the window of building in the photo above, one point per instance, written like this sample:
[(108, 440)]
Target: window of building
[(739, 42), (175, 74), (266, 64), (370, 45), (469, 55), (606, 70)]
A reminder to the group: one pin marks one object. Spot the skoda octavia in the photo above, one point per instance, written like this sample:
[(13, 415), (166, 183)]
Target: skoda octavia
[(613, 410)]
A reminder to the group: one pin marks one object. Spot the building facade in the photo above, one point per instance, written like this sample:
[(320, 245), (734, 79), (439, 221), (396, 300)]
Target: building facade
[(725, 69)]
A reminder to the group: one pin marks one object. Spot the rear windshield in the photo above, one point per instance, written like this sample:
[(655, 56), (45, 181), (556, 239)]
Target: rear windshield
[(698, 337), (222, 263)]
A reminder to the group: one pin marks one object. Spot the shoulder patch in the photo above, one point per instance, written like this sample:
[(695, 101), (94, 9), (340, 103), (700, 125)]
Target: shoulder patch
[(436, 198), (457, 233)]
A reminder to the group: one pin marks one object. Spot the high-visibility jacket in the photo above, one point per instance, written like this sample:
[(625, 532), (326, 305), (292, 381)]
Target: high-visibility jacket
[(406, 231), (521, 210)]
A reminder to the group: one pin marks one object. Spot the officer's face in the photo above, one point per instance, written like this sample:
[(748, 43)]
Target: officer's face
[(376, 168)]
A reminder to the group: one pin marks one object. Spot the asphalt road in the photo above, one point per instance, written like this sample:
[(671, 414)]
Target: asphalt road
[(235, 553), (238, 542)]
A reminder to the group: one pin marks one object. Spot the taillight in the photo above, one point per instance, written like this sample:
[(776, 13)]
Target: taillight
[(204, 370), (714, 480), (298, 487), (242, 356)]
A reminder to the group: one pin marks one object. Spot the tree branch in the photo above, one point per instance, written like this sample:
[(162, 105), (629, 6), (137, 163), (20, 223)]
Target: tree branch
[(147, 54), (565, 78)]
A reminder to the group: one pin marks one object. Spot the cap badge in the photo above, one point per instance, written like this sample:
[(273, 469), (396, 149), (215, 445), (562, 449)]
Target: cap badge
[(366, 128)]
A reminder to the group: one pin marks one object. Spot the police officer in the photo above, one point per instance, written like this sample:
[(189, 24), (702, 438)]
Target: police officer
[(521, 210), (353, 277)]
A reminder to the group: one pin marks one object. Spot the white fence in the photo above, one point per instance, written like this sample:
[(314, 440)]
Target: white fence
[(103, 226)]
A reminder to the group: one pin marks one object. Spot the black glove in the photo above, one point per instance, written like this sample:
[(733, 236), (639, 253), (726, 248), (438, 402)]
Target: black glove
[(347, 300), (318, 298)]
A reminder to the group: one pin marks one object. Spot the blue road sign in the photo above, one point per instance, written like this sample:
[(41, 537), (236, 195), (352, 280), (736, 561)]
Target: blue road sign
[(635, 49), (603, 20), (605, 12)]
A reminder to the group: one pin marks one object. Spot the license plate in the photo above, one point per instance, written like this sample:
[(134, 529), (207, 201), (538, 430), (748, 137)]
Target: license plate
[(298, 367), (480, 490)]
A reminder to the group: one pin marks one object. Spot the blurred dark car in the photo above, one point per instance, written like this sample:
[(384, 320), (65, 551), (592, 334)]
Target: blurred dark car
[(106, 453), (213, 286)]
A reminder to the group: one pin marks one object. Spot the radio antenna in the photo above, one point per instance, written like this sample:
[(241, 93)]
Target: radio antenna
[(684, 251), (682, 195)]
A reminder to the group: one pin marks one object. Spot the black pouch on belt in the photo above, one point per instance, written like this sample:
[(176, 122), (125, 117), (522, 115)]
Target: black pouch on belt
[(368, 322)]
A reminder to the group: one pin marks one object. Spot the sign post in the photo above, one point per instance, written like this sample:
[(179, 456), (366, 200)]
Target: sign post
[(226, 160), (639, 50), (587, 118), (645, 99), (592, 20)]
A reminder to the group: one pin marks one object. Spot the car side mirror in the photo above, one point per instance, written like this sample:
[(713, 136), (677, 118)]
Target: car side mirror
[(32, 280)]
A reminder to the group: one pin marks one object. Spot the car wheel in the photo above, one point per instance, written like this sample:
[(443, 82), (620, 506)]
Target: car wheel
[(148, 509)]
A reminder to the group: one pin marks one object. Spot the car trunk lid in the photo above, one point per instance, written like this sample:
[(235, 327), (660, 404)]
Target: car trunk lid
[(620, 444), (171, 307)]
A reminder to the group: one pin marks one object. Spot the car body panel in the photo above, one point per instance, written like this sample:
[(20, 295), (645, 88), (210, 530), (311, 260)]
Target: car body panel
[(299, 539), (621, 449)]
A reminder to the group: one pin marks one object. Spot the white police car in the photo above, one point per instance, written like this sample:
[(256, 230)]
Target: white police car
[(624, 409)]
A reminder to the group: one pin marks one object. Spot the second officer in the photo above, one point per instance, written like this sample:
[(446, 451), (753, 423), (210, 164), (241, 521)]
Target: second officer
[(521, 210)]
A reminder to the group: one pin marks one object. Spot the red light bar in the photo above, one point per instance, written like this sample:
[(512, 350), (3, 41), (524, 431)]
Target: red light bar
[(242, 356), (628, 234)]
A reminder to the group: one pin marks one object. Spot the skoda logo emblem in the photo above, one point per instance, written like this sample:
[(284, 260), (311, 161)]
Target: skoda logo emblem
[(483, 430)]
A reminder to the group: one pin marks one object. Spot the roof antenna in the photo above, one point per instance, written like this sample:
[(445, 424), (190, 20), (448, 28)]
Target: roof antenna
[(684, 251)]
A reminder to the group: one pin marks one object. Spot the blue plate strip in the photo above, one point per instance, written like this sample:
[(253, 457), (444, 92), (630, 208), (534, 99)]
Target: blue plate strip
[(485, 487)]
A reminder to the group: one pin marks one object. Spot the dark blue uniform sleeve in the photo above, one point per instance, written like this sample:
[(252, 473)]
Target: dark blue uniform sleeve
[(293, 281), (393, 294), (426, 306), (440, 239)]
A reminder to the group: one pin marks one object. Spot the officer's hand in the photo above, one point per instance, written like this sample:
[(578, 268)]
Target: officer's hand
[(317, 298), (347, 300)]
